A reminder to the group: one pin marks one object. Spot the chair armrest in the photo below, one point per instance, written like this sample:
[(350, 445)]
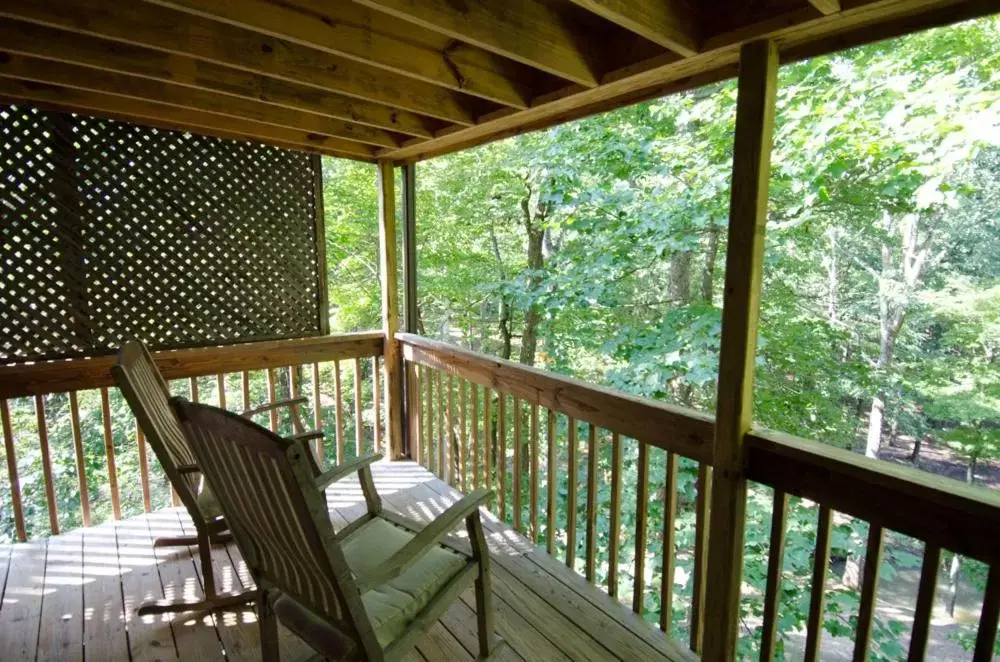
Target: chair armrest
[(188, 469), (429, 536), (277, 404), (307, 436), (344, 469)]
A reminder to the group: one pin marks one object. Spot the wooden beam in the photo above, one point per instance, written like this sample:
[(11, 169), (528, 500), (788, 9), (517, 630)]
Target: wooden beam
[(138, 111), (683, 431), (528, 31), (86, 78), (390, 307), (359, 33), (826, 6), (758, 84), (58, 45), (143, 24), (78, 374), (672, 24)]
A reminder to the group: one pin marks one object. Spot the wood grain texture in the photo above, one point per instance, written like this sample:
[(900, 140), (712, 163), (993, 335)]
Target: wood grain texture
[(81, 464), (817, 596), (43, 445), (775, 563), (672, 24), (109, 453), (641, 515), (388, 267), (925, 603)]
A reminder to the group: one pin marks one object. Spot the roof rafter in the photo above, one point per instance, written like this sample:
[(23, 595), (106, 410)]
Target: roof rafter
[(86, 78), (165, 29), (50, 43), (356, 32), (672, 24), (184, 119), (524, 30)]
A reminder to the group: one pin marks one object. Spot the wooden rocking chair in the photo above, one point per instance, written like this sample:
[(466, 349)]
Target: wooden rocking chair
[(366, 592), (148, 396)]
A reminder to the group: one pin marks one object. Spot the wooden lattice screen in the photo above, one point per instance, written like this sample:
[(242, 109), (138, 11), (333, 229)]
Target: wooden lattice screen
[(111, 231)]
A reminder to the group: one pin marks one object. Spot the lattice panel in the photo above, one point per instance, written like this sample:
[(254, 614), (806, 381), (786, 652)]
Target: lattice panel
[(112, 231)]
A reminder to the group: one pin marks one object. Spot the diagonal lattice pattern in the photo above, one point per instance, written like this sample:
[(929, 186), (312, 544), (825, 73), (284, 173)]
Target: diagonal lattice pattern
[(111, 231)]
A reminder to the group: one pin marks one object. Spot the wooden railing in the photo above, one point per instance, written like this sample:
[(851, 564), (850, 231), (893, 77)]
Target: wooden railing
[(68, 417), (529, 434)]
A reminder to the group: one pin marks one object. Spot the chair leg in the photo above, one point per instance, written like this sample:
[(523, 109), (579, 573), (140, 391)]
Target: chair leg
[(205, 552), (268, 622), (484, 593)]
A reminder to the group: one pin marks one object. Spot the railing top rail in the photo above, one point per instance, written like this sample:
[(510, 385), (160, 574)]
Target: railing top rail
[(958, 517), (78, 374), (679, 430)]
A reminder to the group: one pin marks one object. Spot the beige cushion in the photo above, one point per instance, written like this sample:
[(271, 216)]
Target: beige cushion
[(393, 606)]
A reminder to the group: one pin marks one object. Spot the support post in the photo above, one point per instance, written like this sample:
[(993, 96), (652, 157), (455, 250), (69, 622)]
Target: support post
[(410, 314), (321, 284), (390, 307), (747, 218)]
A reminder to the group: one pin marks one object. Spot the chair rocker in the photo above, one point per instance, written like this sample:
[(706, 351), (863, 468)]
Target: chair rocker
[(366, 592)]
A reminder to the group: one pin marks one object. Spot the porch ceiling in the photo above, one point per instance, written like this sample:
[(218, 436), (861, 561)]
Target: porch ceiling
[(405, 80)]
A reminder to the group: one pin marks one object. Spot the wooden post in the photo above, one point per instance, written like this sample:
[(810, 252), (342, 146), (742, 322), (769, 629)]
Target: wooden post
[(747, 218), (410, 302), (321, 284), (390, 308)]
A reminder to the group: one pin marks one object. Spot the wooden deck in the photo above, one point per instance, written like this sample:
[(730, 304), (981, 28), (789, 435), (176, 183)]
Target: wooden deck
[(73, 596)]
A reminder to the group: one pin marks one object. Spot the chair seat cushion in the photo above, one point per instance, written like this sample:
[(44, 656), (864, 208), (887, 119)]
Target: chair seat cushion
[(393, 606)]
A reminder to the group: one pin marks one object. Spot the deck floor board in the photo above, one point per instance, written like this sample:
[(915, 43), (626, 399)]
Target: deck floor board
[(542, 610)]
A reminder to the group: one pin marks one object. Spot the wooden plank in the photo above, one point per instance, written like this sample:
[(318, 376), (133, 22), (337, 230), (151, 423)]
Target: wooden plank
[(826, 6), (571, 447), (758, 84), (533, 476), (932, 508), (772, 589), (869, 593), (502, 468), (442, 438), (220, 390), (460, 622), (817, 598), (515, 477), (463, 447), (104, 605), (63, 376), (703, 514), (272, 396), (12, 476), (105, 82), (359, 421), (488, 440), (23, 601), (669, 23), (474, 431), (81, 464), (317, 407), (339, 397), (532, 33), (109, 452), (245, 388), (211, 41), (451, 467), (667, 555), (592, 454), (193, 389), (925, 603), (427, 443), (614, 527), (43, 444), (684, 431), (140, 442), (552, 473), (390, 309), (988, 618), (377, 407), (366, 36), (641, 505)]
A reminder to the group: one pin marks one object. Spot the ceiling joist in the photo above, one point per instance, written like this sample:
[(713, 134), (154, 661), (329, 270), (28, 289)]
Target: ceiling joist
[(672, 24), (528, 31)]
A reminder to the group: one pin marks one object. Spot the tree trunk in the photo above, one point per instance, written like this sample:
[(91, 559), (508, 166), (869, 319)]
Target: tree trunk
[(505, 314), (915, 455), (679, 288), (708, 274), (953, 577), (536, 237)]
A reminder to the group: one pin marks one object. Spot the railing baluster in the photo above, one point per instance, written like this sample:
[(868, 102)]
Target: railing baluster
[(986, 637), (817, 600), (109, 450), (377, 404), (616, 513), (571, 496), (43, 443), (533, 475), (641, 502), (592, 450), (15, 484), (317, 406), (502, 456), (245, 388), (925, 603), (140, 442), (515, 478), (474, 431), (442, 434), (667, 563), (359, 428), (272, 397), (427, 444), (338, 396), (193, 389), (463, 447), (700, 556), (220, 384), (869, 592), (452, 442), (488, 438), (81, 464), (775, 560), (415, 430), (553, 475)]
